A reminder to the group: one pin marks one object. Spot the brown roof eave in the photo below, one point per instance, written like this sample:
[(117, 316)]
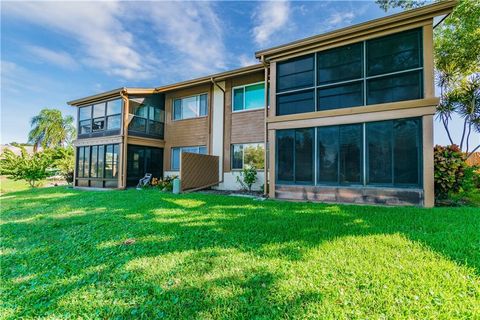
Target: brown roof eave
[(425, 12), (109, 95), (208, 79)]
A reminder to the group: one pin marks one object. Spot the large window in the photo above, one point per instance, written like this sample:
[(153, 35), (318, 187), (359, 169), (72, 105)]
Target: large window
[(248, 154), (391, 156), (249, 97), (394, 152), (295, 156), (339, 150), (149, 116), (379, 70), (101, 117), (177, 152), (99, 162), (190, 107)]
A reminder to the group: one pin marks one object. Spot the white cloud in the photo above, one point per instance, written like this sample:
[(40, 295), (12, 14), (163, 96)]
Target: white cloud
[(59, 58), (97, 27), (192, 33), (341, 18), (271, 16), (247, 60)]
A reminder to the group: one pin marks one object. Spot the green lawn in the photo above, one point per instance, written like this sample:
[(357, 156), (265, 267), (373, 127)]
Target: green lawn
[(7, 185), (205, 256)]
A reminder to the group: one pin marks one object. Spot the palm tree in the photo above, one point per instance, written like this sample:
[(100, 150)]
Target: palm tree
[(51, 129)]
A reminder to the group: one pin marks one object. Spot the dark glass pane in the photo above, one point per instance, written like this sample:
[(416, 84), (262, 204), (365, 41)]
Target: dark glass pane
[(296, 73), (406, 135), (138, 124), (351, 154), (327, 150), (155, 128), (298, 102), (115, 160), (254, 96), (80, 161), (177, 109), (340, 64), (342, 96), (405, 86), (138, 108), (113, 122), (285, 153), (155, 114), (401, 51), (101, 157), (94, 161), (237, 156), (109, 161), (238, 99), (85, 126), (304, 155), (85, 113), (379, 152), (114, 107), (99, 110), (98, 124), (86, 163), (203, 105)]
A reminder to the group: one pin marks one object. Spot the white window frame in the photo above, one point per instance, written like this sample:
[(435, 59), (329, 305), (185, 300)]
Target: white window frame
[(243, 86), (186, 97)]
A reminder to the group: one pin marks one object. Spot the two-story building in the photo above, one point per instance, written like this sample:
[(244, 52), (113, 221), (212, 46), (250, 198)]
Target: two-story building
[(345, 116)]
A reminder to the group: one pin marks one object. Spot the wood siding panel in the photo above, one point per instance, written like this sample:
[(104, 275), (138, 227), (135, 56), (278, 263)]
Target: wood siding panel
[(187, 132), (248, 126)]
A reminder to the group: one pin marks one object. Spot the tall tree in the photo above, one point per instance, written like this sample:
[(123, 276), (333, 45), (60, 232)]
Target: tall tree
[(51, 129)]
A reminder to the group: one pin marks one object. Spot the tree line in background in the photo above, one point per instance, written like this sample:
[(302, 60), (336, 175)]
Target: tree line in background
[(53, 155)]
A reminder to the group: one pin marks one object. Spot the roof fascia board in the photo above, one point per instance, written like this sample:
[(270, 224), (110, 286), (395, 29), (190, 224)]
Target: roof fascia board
[(208, 79), (109, 95)]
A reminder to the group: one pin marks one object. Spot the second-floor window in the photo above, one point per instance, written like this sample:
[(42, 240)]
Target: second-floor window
[(100, 117), (379, 70), (190, 107), (249, 97)]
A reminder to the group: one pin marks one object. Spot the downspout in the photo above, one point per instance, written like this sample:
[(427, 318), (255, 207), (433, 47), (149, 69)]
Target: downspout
[(123, 176), (265, 160), (218, 86), (223, 146)]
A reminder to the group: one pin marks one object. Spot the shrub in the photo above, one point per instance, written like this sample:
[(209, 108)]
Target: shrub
[(248, 177), (64, 162), (29, 167), (450, 167), (165, 184), (454, 179)]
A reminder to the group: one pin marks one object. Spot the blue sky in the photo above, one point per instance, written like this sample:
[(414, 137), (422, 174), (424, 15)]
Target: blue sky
[(53, 52)]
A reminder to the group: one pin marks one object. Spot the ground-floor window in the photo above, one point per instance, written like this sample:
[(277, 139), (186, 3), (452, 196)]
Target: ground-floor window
[(177, 151), (99, 164), (248, 154), (383, 153)]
